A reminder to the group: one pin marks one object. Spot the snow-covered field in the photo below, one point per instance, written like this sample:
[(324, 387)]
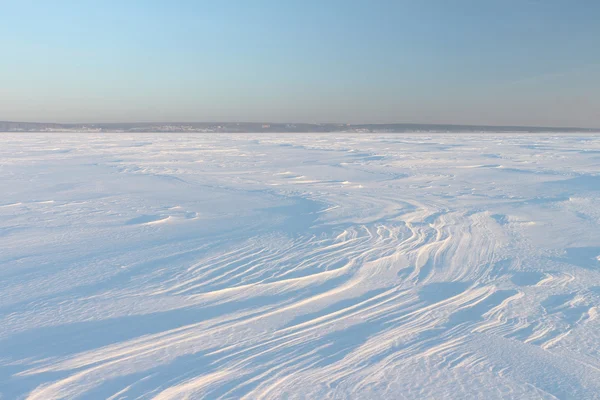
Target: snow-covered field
[(314, 266)]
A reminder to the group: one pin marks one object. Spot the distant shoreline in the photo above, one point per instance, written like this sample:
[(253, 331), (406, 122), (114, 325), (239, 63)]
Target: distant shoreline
[(251, 127)]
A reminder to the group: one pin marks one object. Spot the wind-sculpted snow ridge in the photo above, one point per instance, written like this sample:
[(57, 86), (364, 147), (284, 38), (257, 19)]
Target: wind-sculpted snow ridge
[(317, 266)]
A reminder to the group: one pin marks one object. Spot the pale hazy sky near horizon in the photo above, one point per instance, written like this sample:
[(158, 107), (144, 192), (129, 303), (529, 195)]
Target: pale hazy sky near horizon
[(510, 62)]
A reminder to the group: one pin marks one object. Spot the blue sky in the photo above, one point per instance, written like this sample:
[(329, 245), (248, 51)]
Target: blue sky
[(480, 62)]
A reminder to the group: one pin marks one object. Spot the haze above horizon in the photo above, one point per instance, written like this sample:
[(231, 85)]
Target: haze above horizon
[(520, 63)]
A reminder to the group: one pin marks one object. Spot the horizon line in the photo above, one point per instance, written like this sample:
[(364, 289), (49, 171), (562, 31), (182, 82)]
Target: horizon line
[(416, 124)]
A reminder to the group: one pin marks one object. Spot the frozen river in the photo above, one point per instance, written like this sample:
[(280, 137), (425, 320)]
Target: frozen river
[(265, 266)]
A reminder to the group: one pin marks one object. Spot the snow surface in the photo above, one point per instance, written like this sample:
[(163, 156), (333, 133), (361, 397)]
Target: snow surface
[(267, 266)]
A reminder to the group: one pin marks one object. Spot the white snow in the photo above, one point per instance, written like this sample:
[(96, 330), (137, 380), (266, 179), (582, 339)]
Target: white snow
[(266, 266)]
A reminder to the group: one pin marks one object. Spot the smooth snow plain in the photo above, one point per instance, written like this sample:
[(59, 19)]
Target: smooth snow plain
[(308, 266)]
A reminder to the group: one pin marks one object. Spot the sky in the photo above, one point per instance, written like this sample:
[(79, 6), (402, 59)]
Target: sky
[(505, 62)]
